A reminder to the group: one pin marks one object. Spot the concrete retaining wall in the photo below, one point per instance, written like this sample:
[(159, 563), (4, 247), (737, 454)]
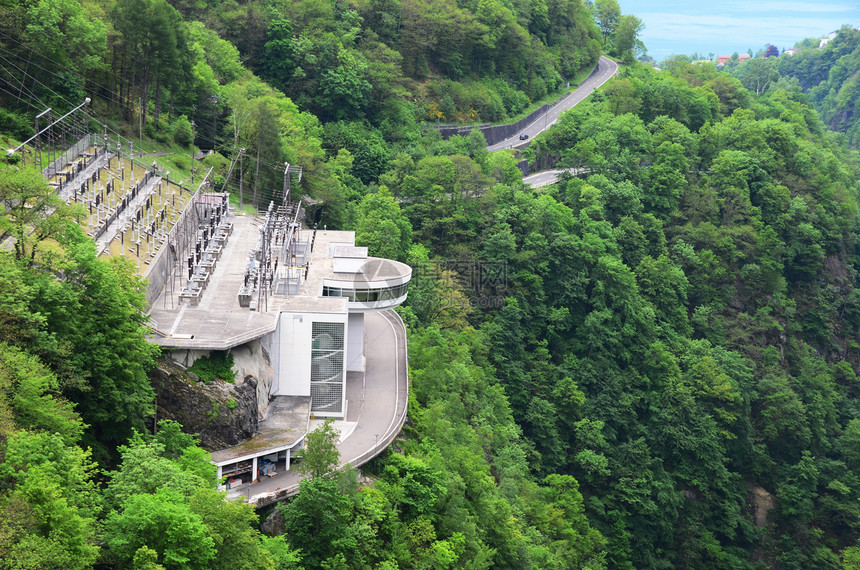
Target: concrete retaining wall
[(497, 133)]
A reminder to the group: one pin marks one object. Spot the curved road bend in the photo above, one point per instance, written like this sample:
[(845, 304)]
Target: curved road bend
[(547, 177), (377, 405), (604, 69), (542, 178)]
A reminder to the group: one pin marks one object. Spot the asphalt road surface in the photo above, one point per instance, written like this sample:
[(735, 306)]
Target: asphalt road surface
[(605, 69), (542, 178), (377, 405), (547, 177)]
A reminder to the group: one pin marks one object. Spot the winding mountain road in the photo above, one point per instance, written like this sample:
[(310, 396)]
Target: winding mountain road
[(543, 178), (604, 69)]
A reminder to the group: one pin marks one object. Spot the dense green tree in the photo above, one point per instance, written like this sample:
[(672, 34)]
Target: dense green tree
[(153, 50), (62, 31), (32, 212), (758, 74), (607, 13), (97, 314), (232, 528), (162, 505), (145, 468), (278, 58), (50, 504), (369, 151), (382, 227), (30, 397), (626, 42), (728, 91), (320, 456), (317, 520), (163, 523)]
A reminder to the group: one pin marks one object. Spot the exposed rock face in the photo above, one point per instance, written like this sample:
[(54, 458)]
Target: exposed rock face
[(762, 503), (274, 523), (206, 408), (252, 359)]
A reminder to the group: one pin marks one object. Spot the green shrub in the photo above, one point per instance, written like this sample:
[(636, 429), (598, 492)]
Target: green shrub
[(213, 414), (182, 134), (231, 404), (179, 161), (217, 366), (14, 124), (161, 136)]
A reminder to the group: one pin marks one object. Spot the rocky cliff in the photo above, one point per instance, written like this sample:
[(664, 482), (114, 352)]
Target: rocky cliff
[(223, 414)]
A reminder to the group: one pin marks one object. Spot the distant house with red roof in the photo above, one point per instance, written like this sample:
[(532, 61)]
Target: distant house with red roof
[(722, 59)]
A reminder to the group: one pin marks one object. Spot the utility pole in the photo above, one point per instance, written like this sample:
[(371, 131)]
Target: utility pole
[(140, 116), (38, 154), (241, 154), (257, 174), (192, 153), (286, 196)]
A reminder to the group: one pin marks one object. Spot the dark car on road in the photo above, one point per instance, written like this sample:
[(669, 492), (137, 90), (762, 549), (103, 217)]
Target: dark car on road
[(523, 137)]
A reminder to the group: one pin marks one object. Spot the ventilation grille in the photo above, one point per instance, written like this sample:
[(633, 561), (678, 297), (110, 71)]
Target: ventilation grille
[(327, 368)]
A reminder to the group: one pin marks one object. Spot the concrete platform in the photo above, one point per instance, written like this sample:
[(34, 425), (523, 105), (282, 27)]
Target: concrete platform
[(218, 322), (378, 400), (285, 424)]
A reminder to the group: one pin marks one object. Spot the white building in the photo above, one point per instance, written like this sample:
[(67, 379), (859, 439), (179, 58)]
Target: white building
[(296, 299)]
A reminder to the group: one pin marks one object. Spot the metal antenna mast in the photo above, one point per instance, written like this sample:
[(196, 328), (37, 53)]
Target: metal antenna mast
[(285, 200), (241, 170), (37, 154)]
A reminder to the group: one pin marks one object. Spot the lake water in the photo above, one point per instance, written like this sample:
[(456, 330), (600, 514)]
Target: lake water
[(724, 27)]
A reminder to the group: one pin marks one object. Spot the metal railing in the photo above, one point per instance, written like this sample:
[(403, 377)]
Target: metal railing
[(76, 149)]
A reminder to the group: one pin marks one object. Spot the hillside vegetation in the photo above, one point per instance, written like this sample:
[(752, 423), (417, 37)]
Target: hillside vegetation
[(652, 364), (829, 75), (290, 81)]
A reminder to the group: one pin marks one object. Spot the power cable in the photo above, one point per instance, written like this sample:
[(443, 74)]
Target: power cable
[(35, 80), (23, 88), (27, 99), (33, 51), (214, 143)]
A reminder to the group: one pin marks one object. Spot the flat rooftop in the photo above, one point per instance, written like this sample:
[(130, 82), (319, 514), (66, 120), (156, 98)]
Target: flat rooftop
[(218, 322), (374, 269), (286, 423)]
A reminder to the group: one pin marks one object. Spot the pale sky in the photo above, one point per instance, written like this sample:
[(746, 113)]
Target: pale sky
[(727, 26)]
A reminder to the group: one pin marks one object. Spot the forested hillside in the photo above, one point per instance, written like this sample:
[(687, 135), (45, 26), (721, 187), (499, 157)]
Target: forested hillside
[(359, 75), (830, 75), (651, 364), (680, 323)]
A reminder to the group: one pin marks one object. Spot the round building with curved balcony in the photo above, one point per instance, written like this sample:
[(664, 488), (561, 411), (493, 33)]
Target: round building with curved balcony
[(368, 283)]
